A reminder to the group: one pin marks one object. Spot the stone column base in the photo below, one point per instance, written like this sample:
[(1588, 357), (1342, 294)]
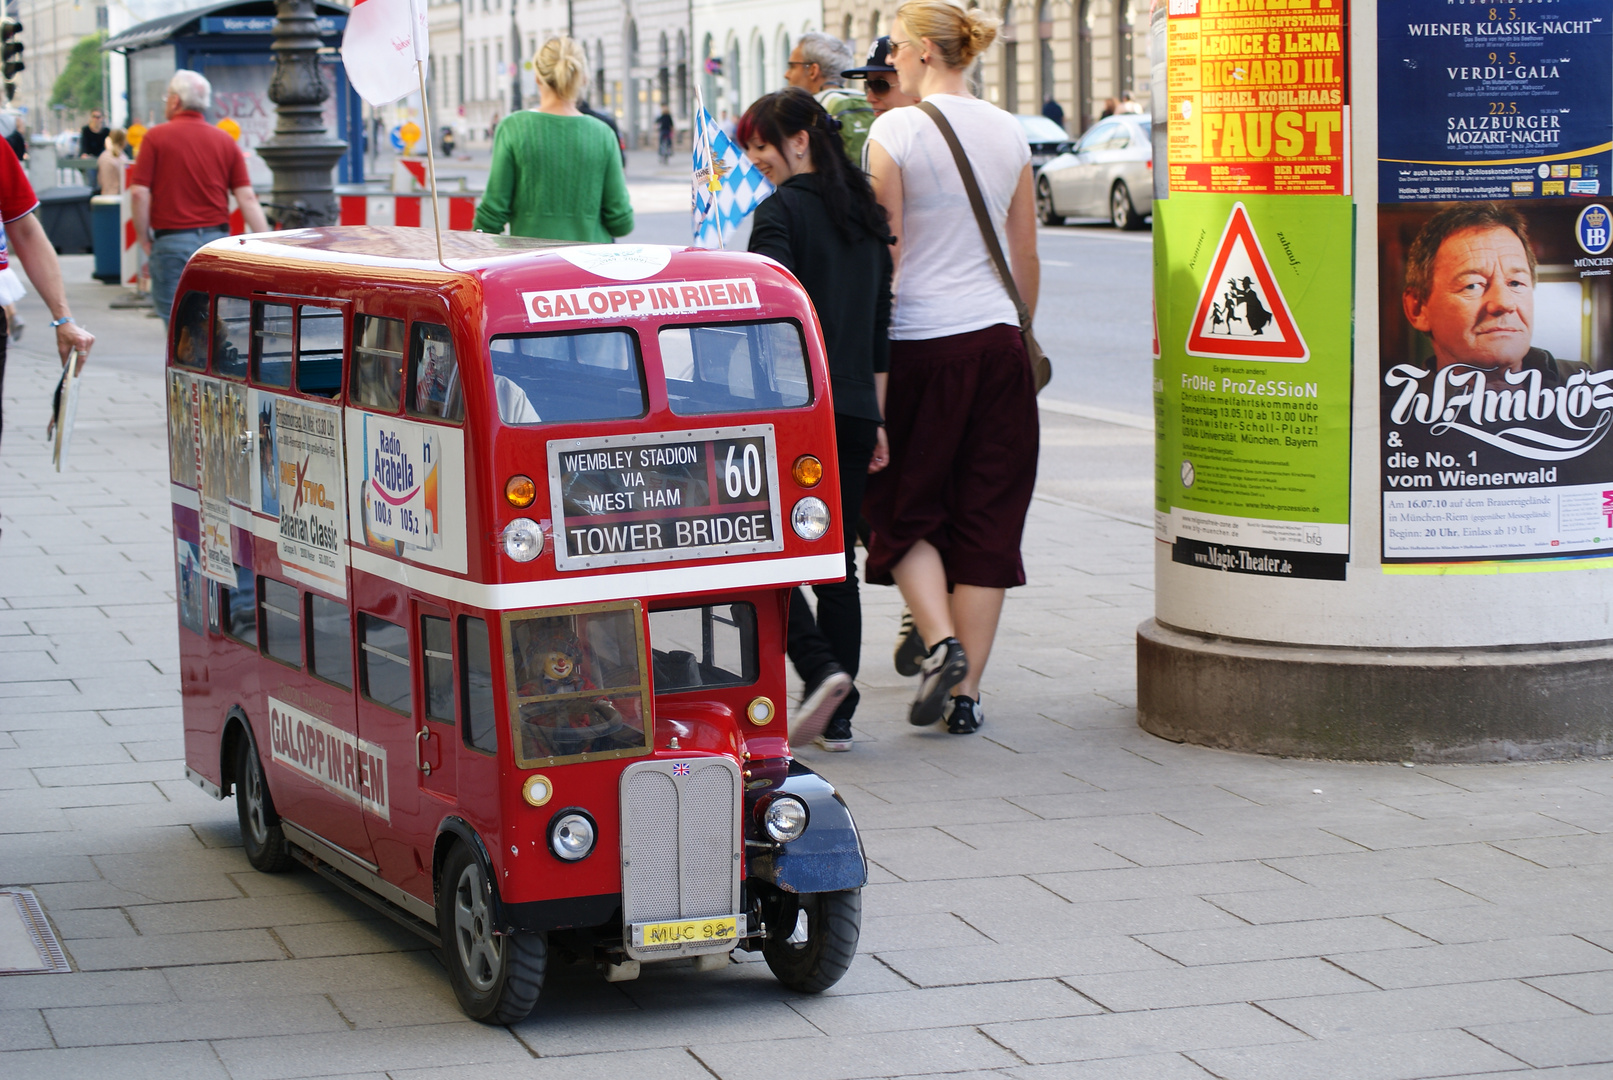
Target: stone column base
[(1501, 703)]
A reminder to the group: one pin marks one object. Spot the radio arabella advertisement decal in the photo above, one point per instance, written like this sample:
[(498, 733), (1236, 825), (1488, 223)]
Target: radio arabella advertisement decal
[(1496, 381)]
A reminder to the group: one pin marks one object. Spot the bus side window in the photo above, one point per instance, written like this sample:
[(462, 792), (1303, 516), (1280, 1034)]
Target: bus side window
[(437, 648), (332, 656), (271, 344), (377, 381), (434, 387), (319, 351), (476, 692), (238, 615), (232, 333), (282, 622), (190, 331), (384, 663)]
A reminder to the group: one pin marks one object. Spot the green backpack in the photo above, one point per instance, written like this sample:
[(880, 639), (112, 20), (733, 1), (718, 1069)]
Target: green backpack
[(855, 116)]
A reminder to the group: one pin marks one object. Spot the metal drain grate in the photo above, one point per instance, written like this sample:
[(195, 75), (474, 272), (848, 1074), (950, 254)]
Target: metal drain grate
[(28, 946)]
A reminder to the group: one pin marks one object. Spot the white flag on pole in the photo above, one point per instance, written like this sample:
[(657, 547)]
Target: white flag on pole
[(383, 43)]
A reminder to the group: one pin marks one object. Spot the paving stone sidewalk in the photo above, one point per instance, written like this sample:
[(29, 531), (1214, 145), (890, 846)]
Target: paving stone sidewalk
[(1060, 896)]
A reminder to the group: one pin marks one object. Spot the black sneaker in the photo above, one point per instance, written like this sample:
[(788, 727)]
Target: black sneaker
[(826, 691), (836, 738), (966, 717), (909, 647), (943, 669)]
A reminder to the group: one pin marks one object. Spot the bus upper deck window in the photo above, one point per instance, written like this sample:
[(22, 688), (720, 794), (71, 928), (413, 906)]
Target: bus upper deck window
[(190, 331), (734, 367), (232, 331), (555, 378), (377, 363), (434, 387), (319, 350), (271, 344)]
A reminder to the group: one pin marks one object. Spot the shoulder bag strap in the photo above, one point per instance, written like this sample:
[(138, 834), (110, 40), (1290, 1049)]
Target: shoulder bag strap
[(978, 202)]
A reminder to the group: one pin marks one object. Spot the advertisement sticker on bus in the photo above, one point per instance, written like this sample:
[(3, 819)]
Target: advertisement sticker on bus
[(655, 298), (211, 447), (313, 528), (338, 761), (661, 496), (401, 463)]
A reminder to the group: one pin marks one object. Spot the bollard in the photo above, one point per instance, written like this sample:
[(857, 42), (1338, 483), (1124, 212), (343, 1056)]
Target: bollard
[(1384, 505)]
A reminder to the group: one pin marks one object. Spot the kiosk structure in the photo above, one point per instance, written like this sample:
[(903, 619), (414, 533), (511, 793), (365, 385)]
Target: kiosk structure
[(1383, 380)]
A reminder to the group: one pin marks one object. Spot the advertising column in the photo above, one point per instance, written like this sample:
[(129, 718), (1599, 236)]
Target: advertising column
[(1496, 301), (1253, 258)]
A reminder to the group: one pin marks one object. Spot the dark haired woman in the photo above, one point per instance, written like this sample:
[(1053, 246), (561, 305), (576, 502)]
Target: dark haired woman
[(823, 225)]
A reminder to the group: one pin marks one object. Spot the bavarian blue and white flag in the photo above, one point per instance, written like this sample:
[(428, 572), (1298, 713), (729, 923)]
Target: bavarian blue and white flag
[(726, 185)]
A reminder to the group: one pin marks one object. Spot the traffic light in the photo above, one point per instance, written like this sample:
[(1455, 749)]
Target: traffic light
[(10, 54)]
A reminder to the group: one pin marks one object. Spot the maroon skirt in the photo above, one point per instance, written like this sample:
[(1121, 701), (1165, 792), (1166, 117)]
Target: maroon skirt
[(960, 412)]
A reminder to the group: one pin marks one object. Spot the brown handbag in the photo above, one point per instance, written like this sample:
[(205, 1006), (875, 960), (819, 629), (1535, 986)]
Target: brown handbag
[(1041, 366)]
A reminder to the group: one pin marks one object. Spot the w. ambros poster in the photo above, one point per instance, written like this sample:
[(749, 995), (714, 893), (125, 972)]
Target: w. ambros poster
[(1495, 242)]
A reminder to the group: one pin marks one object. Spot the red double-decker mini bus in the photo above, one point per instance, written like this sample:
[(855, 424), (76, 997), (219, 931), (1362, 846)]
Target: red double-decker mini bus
[(483, 568)]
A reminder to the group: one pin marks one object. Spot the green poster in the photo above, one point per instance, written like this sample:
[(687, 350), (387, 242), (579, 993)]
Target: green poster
[(1252, 383)]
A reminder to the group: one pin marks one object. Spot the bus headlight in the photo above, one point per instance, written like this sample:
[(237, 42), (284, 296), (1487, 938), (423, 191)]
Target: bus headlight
[(523, 540), (810, 518), (784, 818), (572, 835)]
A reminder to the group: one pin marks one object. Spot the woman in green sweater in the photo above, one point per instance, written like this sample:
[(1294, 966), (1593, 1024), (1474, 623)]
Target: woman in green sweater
[(557, 172)]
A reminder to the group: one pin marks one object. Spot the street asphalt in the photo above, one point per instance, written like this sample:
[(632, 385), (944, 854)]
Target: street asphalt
[(1061, 895)]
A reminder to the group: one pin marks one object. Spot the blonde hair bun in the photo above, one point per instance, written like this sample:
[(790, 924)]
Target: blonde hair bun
[(959, 35), (562, 66)]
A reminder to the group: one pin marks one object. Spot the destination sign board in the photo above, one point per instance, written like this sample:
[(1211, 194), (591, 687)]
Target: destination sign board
[(624, 500)]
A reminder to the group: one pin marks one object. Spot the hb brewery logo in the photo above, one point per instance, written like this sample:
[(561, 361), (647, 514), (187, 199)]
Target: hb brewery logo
[(1592, 230)]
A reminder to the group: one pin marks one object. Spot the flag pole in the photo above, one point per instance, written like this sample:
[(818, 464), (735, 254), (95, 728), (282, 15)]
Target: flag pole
[(425, 114), (431, 159)]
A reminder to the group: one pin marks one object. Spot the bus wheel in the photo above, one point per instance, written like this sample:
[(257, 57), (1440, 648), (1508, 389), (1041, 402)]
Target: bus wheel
[(496, 977), (811, 950), (261, 835)]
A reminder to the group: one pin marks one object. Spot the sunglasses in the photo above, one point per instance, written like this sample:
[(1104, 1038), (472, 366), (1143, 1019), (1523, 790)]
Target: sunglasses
[(879, 86)]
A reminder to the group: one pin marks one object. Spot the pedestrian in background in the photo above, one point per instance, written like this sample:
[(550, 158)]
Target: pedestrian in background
[(824, 226), (181, 185), (16, 136), (22, 235), (815, 65), (92, 136), (557, 172), (1053, 111), (949, 511), (109, 164)]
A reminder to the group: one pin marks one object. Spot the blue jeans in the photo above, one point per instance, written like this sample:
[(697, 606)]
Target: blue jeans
[(169, 254)]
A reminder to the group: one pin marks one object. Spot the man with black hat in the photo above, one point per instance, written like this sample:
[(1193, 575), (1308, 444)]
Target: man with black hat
[(883, 92)]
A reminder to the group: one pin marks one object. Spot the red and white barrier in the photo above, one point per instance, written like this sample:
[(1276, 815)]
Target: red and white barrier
[(408, 210)]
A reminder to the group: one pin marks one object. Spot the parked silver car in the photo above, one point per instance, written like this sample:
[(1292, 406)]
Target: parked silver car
[(1108, 173)]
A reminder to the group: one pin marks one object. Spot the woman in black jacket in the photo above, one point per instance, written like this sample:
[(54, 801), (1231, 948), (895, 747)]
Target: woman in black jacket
[(823, 225)]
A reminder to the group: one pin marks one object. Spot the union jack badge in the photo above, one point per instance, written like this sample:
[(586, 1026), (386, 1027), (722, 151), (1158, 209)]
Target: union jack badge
[(680, 769)]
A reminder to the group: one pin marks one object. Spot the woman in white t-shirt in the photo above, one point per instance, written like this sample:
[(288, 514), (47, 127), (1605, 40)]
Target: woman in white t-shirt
[(960, 403)]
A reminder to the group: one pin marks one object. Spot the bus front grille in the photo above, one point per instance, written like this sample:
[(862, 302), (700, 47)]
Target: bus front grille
[(681, 842)]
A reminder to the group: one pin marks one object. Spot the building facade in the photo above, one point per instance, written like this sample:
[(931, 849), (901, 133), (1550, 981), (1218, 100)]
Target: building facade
[(750, 42), (1080, 53), (639, 60)]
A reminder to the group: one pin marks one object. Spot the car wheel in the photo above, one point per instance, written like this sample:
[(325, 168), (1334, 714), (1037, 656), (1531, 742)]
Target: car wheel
[(1044, 203), (813, 940), (261, 836), (496, 977), (1121, 213)]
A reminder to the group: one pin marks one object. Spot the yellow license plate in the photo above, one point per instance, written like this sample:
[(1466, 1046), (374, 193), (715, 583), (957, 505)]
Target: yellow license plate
[(687, 932)]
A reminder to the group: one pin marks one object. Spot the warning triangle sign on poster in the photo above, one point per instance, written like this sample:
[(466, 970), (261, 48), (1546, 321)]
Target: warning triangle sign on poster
[(1241, 313)]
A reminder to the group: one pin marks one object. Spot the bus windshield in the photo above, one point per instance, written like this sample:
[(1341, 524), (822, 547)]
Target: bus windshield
[(577, 683)]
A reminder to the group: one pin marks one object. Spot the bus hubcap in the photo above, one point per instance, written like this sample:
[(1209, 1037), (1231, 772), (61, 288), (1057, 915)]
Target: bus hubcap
[(478, 948)]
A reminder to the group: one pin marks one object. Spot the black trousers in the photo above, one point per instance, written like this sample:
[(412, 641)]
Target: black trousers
[(5, 336), (835, 634)]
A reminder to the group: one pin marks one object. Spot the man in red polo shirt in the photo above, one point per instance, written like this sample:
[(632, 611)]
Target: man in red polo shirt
[(181, 186), (22, 235)]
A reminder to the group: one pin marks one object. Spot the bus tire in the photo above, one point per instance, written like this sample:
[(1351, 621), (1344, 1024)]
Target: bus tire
[(833, 923), (496, 977), (261, 836)]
